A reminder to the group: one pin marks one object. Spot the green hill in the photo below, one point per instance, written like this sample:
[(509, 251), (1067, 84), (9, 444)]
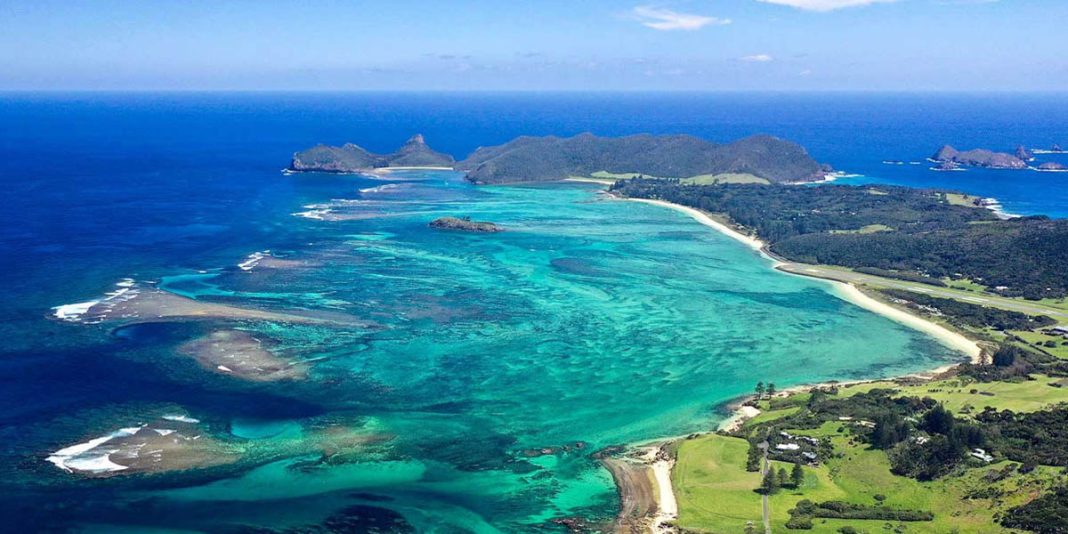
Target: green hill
[(534, 159)]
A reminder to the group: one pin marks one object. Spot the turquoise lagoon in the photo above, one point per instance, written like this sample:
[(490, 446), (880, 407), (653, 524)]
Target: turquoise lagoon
[(495, 365)]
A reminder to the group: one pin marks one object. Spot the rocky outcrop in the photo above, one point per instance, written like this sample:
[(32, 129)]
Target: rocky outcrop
[(416, 153), (978, 158), (1053, 166), (1023, 153), (353, 158), (541, 159), (465, 224)]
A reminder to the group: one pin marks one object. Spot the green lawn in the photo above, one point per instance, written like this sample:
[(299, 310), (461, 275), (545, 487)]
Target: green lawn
[(955, 393), (958, 199), (715, 493), (965, 284), (725, 178), (713, 489), (1038, 339), (869, 229)]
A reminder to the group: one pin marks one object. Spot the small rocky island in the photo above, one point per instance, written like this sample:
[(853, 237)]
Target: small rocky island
[(1053, 166), (465, 224), (950, 158), (350, 158)]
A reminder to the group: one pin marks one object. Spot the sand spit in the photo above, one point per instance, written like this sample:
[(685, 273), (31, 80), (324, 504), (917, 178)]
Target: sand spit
[(135, 303), (176, 442), (239, 354), (166, 444), (643, 479)]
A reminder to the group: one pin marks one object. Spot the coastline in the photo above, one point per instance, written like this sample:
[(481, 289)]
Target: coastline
[(847, 292), (660, 466)]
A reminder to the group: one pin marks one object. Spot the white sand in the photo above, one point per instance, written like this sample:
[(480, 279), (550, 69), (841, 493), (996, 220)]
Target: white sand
[(667, 509), (700, 217), (944, 335), (738, 418)]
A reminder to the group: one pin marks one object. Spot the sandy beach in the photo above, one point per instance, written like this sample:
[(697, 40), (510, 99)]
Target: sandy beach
[(704, 219)]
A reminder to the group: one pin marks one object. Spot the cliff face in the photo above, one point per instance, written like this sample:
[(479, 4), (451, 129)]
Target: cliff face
[(531, 159), (979, 158), (353, 158)]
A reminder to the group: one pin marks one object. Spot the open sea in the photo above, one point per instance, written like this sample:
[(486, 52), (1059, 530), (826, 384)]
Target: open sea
[(450, 382)]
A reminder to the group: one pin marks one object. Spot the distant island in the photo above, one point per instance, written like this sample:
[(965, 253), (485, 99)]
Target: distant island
[(1052, 166), (350, 158), (465, 224), (950, 158), (759, 159)]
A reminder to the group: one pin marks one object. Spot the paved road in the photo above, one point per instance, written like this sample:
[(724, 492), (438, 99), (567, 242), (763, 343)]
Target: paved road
[(764, 498), (978, 298)]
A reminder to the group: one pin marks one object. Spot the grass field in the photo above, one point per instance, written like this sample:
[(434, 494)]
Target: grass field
[(869, 229), (956, 393), (715, 493), (958, 199), (1039, 340), (725, 178), (713, 489)]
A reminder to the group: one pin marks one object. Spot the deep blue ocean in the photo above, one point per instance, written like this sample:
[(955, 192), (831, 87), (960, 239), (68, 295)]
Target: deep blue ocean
[(101, 186)]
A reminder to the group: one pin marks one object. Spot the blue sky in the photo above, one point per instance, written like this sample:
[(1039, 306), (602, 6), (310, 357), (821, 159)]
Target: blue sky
[(911, 45)]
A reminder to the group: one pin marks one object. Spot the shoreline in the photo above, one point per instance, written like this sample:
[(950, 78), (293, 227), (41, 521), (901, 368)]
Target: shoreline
[(842, 290), (665, 514)]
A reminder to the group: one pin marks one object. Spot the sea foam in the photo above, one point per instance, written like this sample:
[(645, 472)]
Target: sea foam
[(78, 312), (90, 457)]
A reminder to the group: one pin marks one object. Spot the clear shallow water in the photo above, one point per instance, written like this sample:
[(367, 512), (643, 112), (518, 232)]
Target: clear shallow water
[(592, 321)]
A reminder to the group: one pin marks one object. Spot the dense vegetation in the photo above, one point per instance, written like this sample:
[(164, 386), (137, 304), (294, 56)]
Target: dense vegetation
[(925, 234), (801, 516), (530, 159), (1047, 514), (1014, 363), (1036, 438), (967, 314)]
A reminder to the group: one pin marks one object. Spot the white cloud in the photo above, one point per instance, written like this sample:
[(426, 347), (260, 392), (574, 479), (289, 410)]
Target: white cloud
[(824, 5), (757, 58), (667, 20)]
